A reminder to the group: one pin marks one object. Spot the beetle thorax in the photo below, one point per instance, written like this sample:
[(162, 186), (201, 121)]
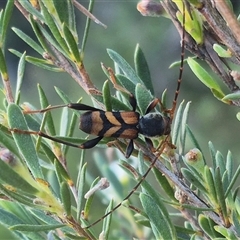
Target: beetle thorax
[(154, 125)]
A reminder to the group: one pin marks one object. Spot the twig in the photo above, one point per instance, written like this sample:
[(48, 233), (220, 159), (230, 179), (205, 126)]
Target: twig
[(229, 17), (81, 8)]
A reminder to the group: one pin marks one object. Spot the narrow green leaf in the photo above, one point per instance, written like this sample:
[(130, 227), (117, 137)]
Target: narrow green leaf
[(45, 64), (142, 68), (51, 8), (107, 221), (158, 218), (220, 162), (219, 95), (193, 22), (220, 193), (142, 167), (87, 26), (221, 51), (207, 226), (17, 197), (38, 33), (233, 181), (63, 96), (204, 76), (8, 142), (32, 121), (185, 231), (232, 96), (59, 14), (8, 218), (44, 104), (64, 121), (18, 210), (177, 124), (89, 200), (71, 128), (209, 184), (54, 42), (236, 222), (144, 98), (29, 40), (72, 44), (194, 140), (7, 14), (107, 96), (178, 63), (48, 152), (66, 198), (227, 233), (20, 73), (126, 83), (26, 5), (229, 165), (183, 127), (225, 180), (164, 184), (116, 103), (69, 17), (124, 66), (61, 172), (10, 177), (43, 217), (54, 29), (24, 141), (3, 66), (193, 179), (81, 184), (35, 228), (212, 153), (164, 102)]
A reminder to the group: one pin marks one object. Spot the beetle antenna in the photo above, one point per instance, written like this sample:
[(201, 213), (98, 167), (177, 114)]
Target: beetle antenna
[(165, 142), (162, 146), (179, 81)]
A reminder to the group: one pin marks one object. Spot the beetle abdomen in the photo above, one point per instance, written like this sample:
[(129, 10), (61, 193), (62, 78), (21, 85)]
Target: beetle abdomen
[(110, 124)]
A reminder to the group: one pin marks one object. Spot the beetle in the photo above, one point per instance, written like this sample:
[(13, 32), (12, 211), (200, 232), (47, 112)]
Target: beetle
[(116, 124), (126, 124)]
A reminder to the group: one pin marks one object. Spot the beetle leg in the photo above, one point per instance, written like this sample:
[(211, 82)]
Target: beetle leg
[(83, 107), (130, 148), (91, 143), (150, 144), (88, 144), (76, 106), (133, 102), (152, 105)]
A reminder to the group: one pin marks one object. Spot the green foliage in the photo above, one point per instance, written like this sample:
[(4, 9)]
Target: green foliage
[(40, 197)]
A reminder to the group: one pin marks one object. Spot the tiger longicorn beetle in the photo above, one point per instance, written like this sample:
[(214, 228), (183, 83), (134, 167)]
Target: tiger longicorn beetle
[(115, 124), (126, 125)]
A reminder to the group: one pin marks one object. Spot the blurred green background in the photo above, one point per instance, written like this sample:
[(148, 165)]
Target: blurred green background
[(209, 119)]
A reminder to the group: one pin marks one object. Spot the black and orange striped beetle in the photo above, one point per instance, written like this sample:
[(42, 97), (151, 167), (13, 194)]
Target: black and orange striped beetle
[(116, 124), (126, 125)]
